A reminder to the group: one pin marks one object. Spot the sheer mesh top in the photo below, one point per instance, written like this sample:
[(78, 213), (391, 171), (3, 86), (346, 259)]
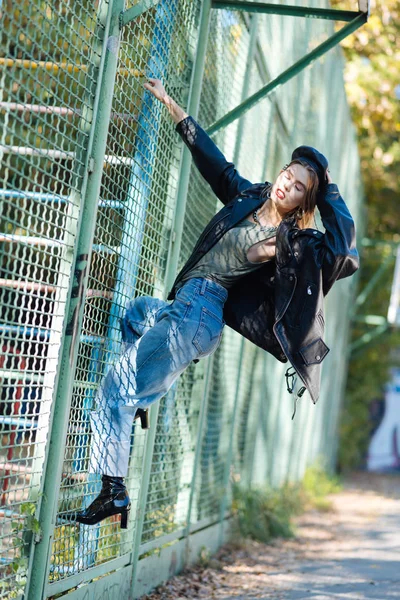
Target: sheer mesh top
[(227, 260)]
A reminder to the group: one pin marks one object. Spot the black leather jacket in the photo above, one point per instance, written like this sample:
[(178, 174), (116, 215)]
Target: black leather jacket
[(279, 307)]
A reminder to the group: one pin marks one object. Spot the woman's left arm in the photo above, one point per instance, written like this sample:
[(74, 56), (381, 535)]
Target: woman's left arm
[(339, 257), (219, 173)]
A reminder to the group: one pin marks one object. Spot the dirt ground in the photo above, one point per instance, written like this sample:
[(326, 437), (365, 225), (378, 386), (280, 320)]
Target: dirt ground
[(351, 552)]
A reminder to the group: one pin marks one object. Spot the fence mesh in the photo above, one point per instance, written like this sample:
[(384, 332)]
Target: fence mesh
[(46, 57), (227, 418)]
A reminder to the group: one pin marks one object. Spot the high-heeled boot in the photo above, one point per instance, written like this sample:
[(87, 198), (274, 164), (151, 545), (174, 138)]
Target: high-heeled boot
[(143, 415), (112, 500)]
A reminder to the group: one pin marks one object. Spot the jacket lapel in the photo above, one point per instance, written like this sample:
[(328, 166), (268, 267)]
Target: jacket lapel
[(242, 207)]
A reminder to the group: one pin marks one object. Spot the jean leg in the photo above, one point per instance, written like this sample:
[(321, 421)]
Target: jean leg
[(144, 373), (183, 331), (111, 431), (140, 316)]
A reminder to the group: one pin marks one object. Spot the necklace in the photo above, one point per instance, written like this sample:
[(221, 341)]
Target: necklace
[(263, 228)]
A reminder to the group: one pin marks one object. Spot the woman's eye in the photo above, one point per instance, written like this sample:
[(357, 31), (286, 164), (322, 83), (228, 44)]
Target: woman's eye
[(287, 176), (298, 189)]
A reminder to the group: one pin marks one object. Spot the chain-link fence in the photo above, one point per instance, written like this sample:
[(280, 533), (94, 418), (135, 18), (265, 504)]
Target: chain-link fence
[(99, 207)]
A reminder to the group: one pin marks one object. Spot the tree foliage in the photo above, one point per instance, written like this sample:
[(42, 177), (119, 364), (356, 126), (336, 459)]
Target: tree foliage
[(372, 77)]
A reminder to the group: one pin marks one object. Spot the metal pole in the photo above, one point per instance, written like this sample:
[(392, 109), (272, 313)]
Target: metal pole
[(42, 552), (245, 89), (200, 430), (173, 258), (319, 51), (184, 174), (225, 481), (286, 10), (246, 82)]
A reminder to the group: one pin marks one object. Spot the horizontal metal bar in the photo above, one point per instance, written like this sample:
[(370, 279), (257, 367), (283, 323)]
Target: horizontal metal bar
[(84, 576), (158, 542), (18, 422), (203, 523), (179, 533), (30, 239), (33, 332), (20, 375), (56, 67), (46, 197), (59, 110), (24, 285), (66, 154), (333, 41), (286, 10), (46, 65), (17, 468), (27, 286), (12, 515), (39, 241), (133, 13)]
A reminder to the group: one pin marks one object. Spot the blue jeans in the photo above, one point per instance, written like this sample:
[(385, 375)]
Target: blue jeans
[(161, 340)]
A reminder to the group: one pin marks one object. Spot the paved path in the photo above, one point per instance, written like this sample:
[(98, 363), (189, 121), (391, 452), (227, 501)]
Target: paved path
[(352, 552)]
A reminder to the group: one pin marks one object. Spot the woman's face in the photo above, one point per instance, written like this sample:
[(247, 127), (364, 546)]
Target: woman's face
[(289, 190)]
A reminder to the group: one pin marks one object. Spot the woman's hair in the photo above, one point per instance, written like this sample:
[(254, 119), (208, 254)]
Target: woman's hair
[(305, 213)]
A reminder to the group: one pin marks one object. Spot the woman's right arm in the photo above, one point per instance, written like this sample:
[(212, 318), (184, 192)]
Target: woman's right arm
[(220, 174), (157, 89)]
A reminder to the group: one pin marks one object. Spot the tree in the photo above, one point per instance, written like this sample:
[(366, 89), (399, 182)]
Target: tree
[(372, 77)]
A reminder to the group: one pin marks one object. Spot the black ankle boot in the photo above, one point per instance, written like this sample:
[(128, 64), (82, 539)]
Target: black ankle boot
[(112, 500), (143, 415)]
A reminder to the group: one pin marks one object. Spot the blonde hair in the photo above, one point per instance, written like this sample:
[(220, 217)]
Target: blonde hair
[(305, 214)]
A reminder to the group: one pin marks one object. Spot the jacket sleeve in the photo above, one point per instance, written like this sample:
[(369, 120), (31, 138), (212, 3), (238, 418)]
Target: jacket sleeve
[(220, 174), (339, 256)]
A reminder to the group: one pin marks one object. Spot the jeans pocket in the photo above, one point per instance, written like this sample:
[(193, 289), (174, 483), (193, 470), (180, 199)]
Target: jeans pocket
[(209, 333)]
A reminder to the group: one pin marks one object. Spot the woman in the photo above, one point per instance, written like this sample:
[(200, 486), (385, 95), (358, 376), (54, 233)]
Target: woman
[(258, 267)]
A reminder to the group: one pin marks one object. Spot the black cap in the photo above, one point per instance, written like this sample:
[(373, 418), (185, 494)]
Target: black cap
[(315, 159)]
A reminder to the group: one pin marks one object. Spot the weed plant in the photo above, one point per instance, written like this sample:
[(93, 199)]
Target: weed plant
[(264, 513)]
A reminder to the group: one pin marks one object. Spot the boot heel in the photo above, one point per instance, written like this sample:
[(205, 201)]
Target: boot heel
[(144, 418), (124, 519)]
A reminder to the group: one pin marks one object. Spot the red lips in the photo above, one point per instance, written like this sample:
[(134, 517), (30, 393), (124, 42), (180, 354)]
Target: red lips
[(280, 194)]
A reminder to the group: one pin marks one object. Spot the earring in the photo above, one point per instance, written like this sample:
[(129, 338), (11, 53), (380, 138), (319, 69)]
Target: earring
[(299, 214)]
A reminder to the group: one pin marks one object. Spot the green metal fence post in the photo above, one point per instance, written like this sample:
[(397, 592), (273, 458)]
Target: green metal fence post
[(184, 172), (94, 161), (200, 430), (246, 82), (245, 89), (225, 482), (173, 257), (203, 408)]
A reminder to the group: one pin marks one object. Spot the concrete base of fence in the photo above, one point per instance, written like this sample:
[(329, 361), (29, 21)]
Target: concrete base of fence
[(157, 568)]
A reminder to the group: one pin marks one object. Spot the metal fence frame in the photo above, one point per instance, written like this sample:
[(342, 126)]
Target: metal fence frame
[(129, 575)]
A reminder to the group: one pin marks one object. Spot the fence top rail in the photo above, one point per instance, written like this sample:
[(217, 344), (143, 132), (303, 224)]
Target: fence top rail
[(287, 10)]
